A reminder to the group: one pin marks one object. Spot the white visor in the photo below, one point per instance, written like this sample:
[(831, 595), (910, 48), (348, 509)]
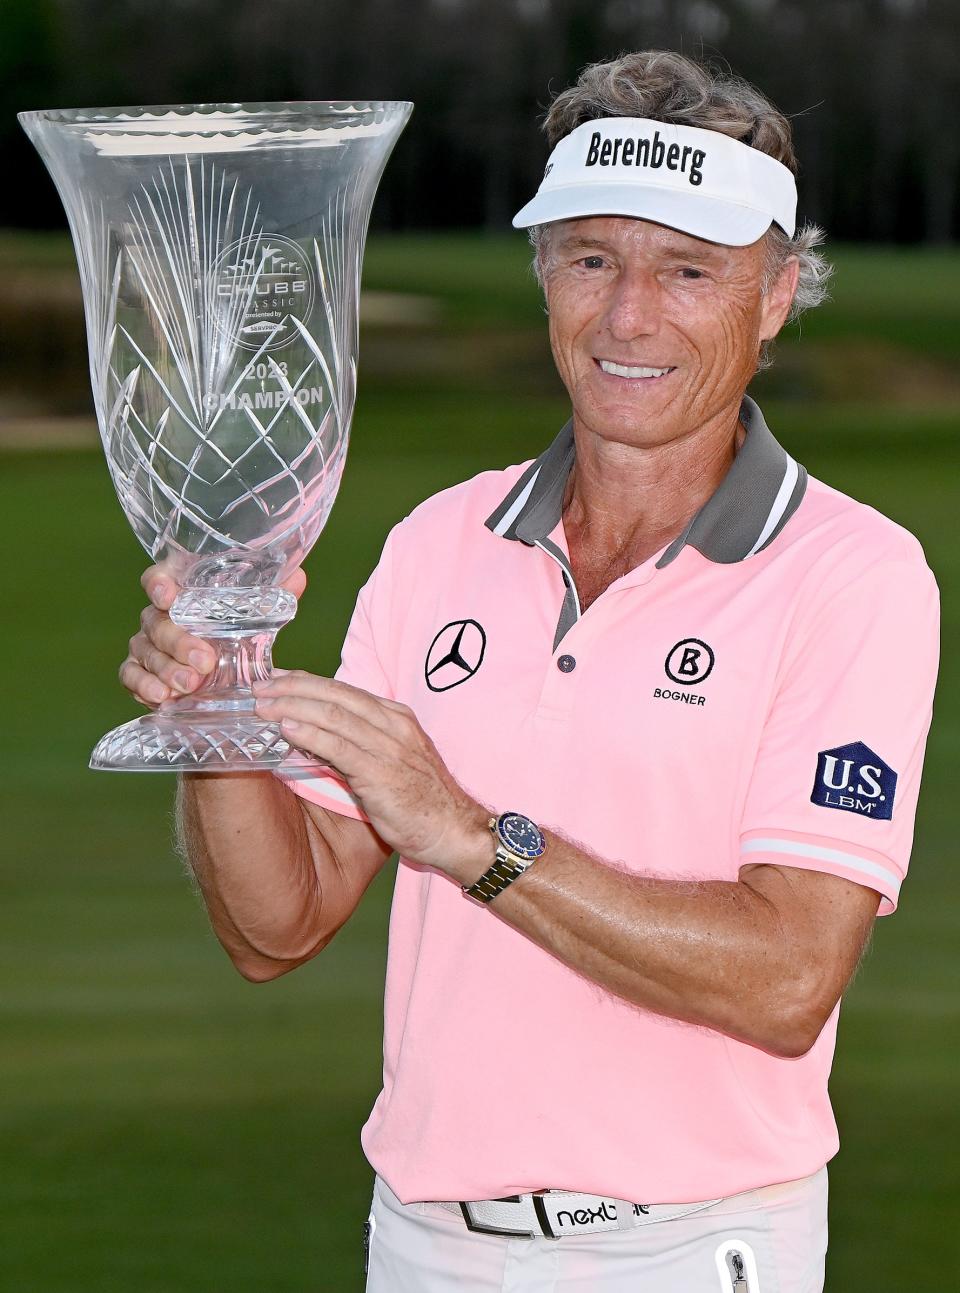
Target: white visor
[(698, 181)]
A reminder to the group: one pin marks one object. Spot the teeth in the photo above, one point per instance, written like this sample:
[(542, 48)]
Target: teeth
[(621, 370)]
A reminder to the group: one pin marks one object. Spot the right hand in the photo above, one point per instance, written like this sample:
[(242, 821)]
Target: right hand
[(165, 660)]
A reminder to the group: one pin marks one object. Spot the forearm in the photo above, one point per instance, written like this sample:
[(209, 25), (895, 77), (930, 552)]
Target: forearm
[(711, 953), (246, 841), (763, 958)]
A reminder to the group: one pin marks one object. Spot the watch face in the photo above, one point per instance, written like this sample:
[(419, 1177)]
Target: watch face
[(520, 835)]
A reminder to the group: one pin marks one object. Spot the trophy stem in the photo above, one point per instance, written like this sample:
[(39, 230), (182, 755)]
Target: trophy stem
[(215, 729), (242, 659)]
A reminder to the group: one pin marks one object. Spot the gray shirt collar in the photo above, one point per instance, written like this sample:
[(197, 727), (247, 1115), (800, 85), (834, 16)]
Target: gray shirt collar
[(746, 512)]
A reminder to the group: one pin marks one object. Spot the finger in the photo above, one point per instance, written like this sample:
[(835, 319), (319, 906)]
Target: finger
[(167, 672), (143, 686), (300, 684), (159, 586), (296, 583), (328, 716), (172, 672), (175, 642), (297, 682), (330, 747)]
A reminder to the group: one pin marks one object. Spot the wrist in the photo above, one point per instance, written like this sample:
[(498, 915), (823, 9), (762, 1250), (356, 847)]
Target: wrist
[(475, 849)]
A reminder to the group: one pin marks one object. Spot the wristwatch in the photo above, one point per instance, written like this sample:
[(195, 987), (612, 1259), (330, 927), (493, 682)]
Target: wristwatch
[(519, 843)]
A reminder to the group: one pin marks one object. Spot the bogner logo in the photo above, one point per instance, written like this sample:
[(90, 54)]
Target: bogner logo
[(258, 283), (854, 779), (689, 662)]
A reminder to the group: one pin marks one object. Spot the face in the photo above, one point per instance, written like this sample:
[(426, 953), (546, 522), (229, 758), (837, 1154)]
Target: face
[(655, 332)]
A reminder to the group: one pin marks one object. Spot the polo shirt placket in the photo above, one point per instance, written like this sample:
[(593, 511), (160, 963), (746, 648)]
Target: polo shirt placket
[(752, 504), (756, 499)]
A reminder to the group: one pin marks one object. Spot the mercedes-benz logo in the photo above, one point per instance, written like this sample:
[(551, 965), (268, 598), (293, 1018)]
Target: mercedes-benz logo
[(455, 654)]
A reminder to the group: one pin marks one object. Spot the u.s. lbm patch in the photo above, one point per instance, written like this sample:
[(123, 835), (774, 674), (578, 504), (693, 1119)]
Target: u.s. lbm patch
[(853, 778)]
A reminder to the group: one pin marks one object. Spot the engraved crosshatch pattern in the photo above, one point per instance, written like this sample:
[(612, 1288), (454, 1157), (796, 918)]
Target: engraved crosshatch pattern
[(201, 462)]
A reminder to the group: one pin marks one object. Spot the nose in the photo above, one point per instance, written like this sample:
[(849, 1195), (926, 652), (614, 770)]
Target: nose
[(635, 306)]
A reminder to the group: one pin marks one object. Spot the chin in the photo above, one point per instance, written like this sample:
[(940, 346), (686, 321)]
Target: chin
[(628, 425)]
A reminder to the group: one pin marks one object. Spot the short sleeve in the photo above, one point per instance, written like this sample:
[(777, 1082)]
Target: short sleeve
[(362, 664), (837, 775)]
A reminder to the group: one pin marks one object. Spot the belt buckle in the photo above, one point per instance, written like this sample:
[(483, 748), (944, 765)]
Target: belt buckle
[(479, 1229), (540, 1208)]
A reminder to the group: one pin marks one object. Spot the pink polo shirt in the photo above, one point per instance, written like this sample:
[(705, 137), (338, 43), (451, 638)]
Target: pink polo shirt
[(759, 691)]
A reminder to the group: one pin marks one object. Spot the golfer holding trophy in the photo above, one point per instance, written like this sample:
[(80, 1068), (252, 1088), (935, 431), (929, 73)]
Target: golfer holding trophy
[(642, 717)]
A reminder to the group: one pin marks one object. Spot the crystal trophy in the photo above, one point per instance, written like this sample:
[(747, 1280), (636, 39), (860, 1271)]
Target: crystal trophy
[(219, 248)]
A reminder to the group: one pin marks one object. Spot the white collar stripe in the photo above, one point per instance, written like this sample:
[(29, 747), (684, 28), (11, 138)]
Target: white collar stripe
[(790, 477), (518, 503)]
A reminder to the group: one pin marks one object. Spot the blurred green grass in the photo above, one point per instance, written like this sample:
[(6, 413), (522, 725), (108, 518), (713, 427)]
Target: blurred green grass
[(166, 1125)]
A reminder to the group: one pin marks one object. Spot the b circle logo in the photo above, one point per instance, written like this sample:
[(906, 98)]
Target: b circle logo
[(689, 662), (455, 654)]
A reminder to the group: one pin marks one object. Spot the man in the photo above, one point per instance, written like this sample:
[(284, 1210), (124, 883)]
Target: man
[(688, 686)]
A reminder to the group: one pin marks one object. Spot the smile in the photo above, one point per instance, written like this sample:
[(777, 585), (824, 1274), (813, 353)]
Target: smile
[(626, 370)]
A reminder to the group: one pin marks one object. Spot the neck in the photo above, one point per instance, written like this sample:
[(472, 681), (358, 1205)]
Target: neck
[(634, 499)]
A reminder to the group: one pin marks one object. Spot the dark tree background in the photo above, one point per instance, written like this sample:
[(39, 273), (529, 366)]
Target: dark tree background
[(873, 87)]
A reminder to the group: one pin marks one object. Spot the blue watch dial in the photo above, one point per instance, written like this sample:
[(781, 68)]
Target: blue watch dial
[(520, 835)]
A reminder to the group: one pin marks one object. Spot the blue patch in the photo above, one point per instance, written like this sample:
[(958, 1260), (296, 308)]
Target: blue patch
[(854, 779)]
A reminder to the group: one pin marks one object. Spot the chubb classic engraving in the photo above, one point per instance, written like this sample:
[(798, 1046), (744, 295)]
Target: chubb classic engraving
[(270, 280)]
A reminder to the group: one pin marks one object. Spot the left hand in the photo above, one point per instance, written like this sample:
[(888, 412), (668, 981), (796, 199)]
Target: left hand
[(389, 762)]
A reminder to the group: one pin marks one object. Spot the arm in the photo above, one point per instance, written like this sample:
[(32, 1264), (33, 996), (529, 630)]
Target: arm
[(764, 958), (278, 876)]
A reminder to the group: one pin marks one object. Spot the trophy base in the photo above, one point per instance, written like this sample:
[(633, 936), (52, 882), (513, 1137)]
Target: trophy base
[(217, 728), (198, 742)]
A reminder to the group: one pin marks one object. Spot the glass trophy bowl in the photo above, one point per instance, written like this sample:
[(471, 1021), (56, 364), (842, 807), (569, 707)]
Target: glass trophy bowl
[(219, 248)]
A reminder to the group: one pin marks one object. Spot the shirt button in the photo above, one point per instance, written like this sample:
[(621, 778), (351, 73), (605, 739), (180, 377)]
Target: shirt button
[(566, 664)]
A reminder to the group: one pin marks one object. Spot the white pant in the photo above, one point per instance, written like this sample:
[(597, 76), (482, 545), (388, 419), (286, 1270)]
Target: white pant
[(779, 1232)]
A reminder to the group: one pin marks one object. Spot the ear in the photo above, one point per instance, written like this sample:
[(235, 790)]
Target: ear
[(778, 298)]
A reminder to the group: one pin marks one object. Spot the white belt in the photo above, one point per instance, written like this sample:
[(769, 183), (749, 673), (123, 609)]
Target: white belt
[(563, 1212)]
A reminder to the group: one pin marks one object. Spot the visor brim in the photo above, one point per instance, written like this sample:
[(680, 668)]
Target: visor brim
[(712, 219)]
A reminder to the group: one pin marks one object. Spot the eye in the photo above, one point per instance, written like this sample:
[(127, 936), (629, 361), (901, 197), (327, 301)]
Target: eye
[(688, 272), (592, 262)]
